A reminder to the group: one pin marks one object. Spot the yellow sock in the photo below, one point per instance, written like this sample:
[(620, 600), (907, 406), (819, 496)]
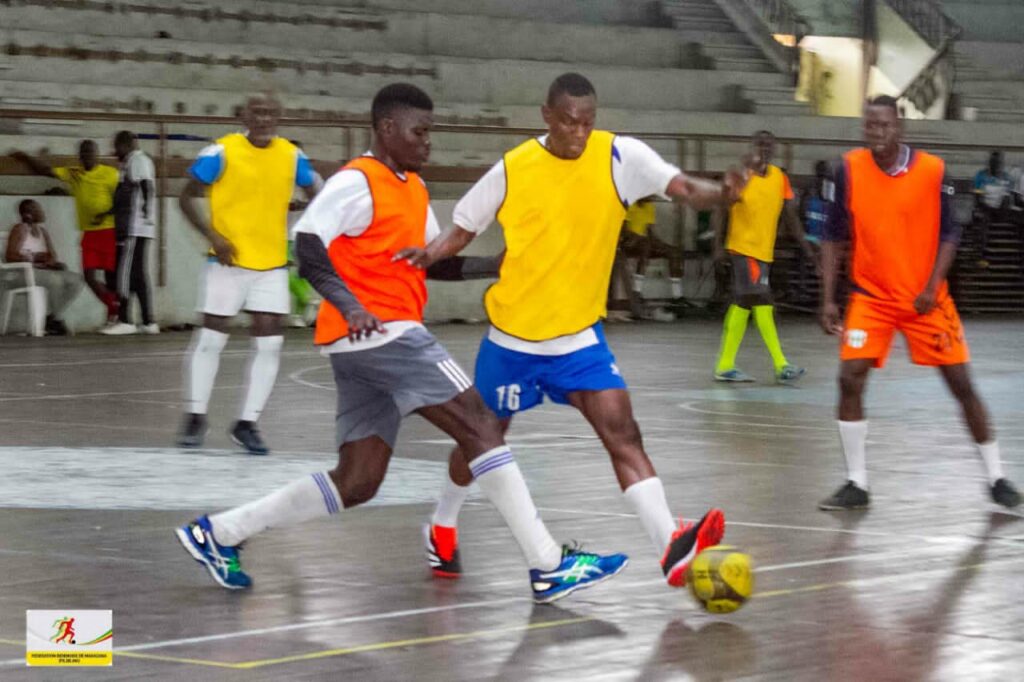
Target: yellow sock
[(764, 318), (732, 336)]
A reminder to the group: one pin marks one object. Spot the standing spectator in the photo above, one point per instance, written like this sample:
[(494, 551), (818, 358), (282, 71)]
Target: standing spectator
[(134, 210), (29, 242), (815, 201), (249, 178), (753, 227), (991, 202), (92, 184)]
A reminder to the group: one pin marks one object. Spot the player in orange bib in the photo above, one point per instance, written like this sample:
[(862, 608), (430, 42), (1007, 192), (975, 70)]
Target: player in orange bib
[(892, 204)]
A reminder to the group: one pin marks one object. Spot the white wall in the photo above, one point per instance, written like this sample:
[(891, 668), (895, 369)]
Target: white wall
[(902, 53), (176, 301)]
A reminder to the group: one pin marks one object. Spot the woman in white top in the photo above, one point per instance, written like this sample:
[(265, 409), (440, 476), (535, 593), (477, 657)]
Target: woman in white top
[(29, 242)]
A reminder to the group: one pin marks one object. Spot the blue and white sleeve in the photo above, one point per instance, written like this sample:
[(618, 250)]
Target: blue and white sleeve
[(209, 165), (305, 176)]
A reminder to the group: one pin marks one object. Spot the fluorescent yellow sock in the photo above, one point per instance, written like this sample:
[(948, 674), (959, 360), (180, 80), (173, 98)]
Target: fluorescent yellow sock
[(732, 336), (764, 318)]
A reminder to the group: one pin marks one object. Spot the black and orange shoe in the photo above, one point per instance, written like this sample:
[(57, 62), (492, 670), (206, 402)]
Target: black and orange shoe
[(443, 551), (688, 541)]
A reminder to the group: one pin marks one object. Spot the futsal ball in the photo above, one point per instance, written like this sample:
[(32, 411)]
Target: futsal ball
[(721, 578)]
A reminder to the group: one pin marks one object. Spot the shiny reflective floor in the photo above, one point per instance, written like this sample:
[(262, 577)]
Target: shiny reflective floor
[(924, 586)]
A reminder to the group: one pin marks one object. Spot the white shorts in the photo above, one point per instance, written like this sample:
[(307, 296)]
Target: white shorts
[(230, 290)]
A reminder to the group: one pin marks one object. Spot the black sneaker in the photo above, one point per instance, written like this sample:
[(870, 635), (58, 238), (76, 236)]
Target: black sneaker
[(848, 497), (55, 327), (246, 435), (1005, 494), (193, 430)]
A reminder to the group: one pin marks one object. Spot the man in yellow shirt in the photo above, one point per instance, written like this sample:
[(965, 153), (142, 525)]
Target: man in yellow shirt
[(92, 185), (640, 240), (753, 223), (561, 199), (249, 179)]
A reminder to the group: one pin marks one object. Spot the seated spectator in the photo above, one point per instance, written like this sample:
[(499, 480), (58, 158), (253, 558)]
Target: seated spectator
[(991, 202), (29, 242), (640, 241)]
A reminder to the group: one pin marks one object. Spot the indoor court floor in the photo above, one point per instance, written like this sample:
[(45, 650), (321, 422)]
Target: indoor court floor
[(923, 586)]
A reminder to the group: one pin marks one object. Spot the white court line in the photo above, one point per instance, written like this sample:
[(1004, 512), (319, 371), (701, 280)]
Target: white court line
[(72, 396), (945, 539), (297, 375), (389, 615), (139, 357)]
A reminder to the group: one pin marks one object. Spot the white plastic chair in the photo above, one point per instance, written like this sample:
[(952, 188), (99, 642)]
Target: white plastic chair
[(35, 296)]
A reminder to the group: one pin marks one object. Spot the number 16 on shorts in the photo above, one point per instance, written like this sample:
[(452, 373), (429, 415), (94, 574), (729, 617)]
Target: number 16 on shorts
[(508, 397)]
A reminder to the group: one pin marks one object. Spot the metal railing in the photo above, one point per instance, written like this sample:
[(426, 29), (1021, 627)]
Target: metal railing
[(691, 149), (928, 20), (940, 32), (782, 19)]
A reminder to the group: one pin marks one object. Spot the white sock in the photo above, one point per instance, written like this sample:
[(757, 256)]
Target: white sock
[(262, 374), (990, 456), (446, 513), (853, 436), (647, 498), (638, 283), (306, 498), (202, 368), (677, 286), (501, 481)]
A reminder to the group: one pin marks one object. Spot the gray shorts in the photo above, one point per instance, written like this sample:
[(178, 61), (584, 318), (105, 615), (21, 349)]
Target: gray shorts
[(377, 387), (750, 277)]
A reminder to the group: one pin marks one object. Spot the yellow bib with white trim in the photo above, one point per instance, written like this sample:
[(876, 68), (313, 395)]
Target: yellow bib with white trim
[(561, 220), (249, 201)]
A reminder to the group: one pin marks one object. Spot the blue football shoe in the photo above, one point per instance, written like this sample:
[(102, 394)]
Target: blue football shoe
[(577, 571), (222, 562)]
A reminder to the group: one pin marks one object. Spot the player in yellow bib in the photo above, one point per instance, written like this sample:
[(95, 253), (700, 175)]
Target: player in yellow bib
[(249, 179), (753, 227), (561, 199)]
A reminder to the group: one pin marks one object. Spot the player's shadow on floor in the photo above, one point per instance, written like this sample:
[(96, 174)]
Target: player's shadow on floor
[(712, 651), (867, 645), (523, 662)]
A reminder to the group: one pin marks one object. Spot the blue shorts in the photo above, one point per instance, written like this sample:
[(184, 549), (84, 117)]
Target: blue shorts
[(511, 381)]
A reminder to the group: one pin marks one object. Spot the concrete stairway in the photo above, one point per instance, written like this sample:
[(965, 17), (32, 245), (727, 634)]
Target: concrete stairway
[(998, 288), (704, 24)]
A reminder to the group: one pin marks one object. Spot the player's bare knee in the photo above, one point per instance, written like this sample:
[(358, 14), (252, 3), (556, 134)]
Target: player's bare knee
[(622, 432)]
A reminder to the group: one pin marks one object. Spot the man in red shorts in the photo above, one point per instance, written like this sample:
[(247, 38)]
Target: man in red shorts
[(92, 184), (892, 204)]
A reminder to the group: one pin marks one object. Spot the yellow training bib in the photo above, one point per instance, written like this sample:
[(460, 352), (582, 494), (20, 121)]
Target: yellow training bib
[(561, 220), (249, 201)]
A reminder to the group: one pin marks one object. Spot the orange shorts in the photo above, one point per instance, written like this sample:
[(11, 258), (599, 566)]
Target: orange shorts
[(936, 338)]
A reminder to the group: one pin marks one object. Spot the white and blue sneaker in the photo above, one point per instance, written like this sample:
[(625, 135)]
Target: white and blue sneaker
[(222, 562), (577, 571)]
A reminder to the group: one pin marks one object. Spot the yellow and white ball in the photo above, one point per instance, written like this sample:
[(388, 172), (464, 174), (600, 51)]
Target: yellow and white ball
[(721, 578)]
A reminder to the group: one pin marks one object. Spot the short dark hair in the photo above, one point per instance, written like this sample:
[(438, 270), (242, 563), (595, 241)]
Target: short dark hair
[(124, 137), (398, 96), (763, 133), (572, 84), (885, 101), (23, 203)]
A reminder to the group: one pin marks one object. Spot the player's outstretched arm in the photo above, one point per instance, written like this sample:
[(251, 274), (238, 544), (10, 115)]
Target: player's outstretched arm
[(35, 165), (703, 194), (315, 266), (448, 244), (463, 268)]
